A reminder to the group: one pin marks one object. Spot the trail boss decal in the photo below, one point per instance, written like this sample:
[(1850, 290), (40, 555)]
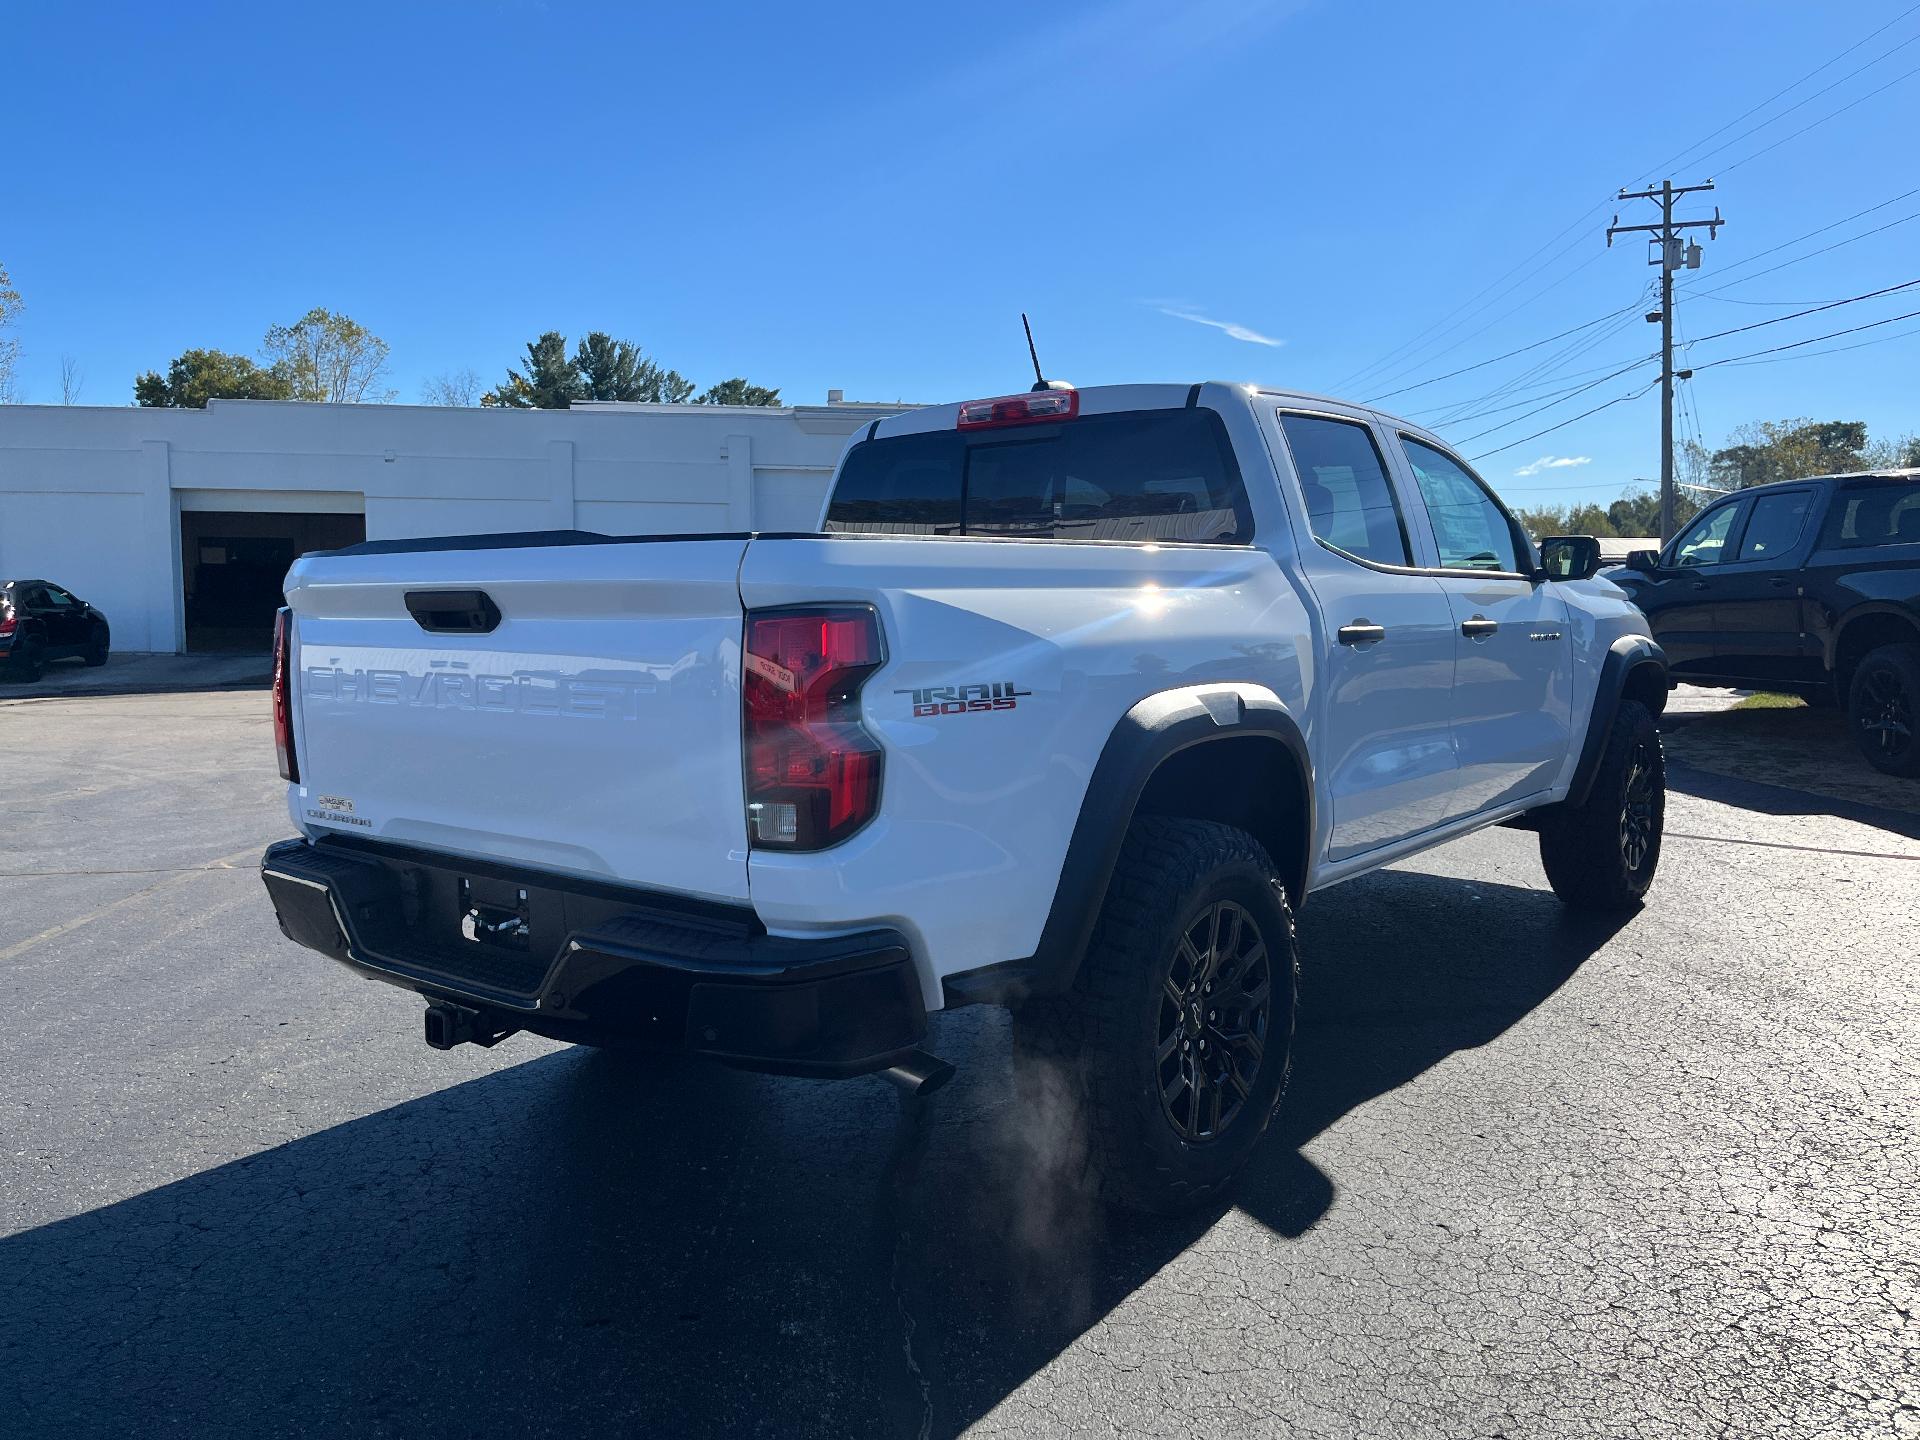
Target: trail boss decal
[(964, 699)]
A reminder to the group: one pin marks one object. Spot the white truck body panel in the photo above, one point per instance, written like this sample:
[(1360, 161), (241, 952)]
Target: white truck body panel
[(978, 808), (597, 732)]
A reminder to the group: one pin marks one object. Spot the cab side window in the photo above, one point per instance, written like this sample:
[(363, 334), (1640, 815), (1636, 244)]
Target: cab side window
[(1350, 502), (1705, 541), (1775, 525), (1472, 531)]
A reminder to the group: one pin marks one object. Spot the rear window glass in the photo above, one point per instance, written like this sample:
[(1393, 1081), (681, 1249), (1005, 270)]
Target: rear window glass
[(1879, 514), (1137, 475)]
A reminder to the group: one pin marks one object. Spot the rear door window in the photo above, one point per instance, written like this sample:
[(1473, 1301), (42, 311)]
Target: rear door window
[(1774, 526), (1350, 502), (1878, 513), (1133, 476)]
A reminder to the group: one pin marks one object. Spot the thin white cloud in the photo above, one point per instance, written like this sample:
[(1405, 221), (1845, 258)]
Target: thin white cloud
[(1237, 332), (1554, 462)]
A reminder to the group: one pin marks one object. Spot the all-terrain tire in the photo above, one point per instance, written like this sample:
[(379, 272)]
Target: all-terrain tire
[(1602, 855), (1107, 1037), (1883, 709)]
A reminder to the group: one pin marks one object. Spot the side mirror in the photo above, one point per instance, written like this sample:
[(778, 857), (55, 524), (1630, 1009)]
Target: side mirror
[(1570, 557), (1645, 561)]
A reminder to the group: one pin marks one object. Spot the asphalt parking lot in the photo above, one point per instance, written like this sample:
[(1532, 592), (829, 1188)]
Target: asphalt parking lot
[(1536, 1176)]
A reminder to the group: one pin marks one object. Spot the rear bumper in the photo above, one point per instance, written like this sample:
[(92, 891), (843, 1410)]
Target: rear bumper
[(604, 965)]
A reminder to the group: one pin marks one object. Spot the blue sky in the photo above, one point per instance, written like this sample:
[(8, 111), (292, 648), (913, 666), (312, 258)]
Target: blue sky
[(866, 196)]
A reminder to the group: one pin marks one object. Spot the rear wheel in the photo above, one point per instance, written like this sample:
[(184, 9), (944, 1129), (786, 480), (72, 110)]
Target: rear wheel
[(1882, 704), (29, 657), (1602, 855), (98, 643), (1177, 1036)]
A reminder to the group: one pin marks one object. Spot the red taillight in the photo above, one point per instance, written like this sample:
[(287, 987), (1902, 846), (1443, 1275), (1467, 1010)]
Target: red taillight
[(1028, 409), (812, 771), (283, 695), (7, 620)]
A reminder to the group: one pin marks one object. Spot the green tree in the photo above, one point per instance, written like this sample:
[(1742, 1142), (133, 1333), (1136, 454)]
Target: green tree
[(1770, 450), (1541, 521), (1636, 514), (613, 369), (9, 349), (329, 357), (549, 381), (738, 392), (1900, 454), (198, 376), (1589, 519)]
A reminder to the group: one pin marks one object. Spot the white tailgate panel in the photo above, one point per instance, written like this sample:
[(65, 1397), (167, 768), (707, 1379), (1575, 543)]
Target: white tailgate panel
[(594, 732)]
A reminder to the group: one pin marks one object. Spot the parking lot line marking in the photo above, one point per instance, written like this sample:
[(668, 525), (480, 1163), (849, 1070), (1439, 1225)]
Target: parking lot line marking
[(66, 927), (1780, 845), (143, 870)]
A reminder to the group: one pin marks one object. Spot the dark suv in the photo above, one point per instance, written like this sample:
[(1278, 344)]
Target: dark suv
[(1811, 587), (40, 622)]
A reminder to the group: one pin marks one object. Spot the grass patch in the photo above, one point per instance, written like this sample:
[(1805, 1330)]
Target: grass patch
[(1767, 700)]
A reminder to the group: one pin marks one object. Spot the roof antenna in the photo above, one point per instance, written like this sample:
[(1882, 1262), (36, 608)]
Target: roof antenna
[(1039, 380)]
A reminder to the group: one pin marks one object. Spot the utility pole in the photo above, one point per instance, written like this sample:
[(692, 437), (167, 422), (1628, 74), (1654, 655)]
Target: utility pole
[(1672, 255)]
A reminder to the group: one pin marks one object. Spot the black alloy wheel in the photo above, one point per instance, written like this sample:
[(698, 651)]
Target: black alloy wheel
[(1884, 714), (1216, 1007), (1637, 823)]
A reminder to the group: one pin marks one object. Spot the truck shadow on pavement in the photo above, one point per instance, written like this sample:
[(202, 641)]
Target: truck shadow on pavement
[(580, 1244)]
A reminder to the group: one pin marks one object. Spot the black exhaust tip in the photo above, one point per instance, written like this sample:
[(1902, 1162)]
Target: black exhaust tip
[(918, 1073)]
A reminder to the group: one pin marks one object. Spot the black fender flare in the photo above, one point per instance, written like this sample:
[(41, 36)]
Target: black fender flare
[(1154, 730), (1841, 624), (1627, 657)]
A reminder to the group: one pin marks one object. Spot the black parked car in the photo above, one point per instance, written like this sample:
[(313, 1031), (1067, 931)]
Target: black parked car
[(1811, 587), (40, 622)]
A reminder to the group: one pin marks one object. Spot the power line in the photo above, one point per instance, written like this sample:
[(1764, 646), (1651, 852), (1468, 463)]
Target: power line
[(1830, 225), (1464, 369), (1861, 100), (1606, 405), (1833, 350), (1701, 160), (1674, 160), (1811, 254), (1814, 340), (1468, 440), (1815, 310), (1547, 371), (1558, 395)]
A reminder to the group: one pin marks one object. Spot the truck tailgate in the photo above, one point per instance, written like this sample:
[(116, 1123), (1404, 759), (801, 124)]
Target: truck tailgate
[(594, 730)]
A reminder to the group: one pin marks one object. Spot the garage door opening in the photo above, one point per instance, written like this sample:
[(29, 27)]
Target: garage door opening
[(232, 563)]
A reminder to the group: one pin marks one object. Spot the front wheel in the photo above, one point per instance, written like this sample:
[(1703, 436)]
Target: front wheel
[(1178, 1034), (1882, 704), (98, 644), (1602, 855)]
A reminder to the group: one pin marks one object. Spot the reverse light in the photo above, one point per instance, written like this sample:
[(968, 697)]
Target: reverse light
[(812, 770), (1029, 409), (283, 694)]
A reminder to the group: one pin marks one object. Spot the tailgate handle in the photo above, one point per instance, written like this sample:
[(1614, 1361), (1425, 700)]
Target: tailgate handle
[(453, 612)]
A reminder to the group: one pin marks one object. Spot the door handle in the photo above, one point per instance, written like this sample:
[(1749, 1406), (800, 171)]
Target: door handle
[(1479, 627), (1699, 585), (1361, 632), (1780, 582)]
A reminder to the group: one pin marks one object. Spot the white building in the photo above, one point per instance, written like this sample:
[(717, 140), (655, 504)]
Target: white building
[(179, 524)]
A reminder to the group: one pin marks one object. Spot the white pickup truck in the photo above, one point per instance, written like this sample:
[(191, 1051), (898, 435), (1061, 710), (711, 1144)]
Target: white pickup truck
[(1074, 698)]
